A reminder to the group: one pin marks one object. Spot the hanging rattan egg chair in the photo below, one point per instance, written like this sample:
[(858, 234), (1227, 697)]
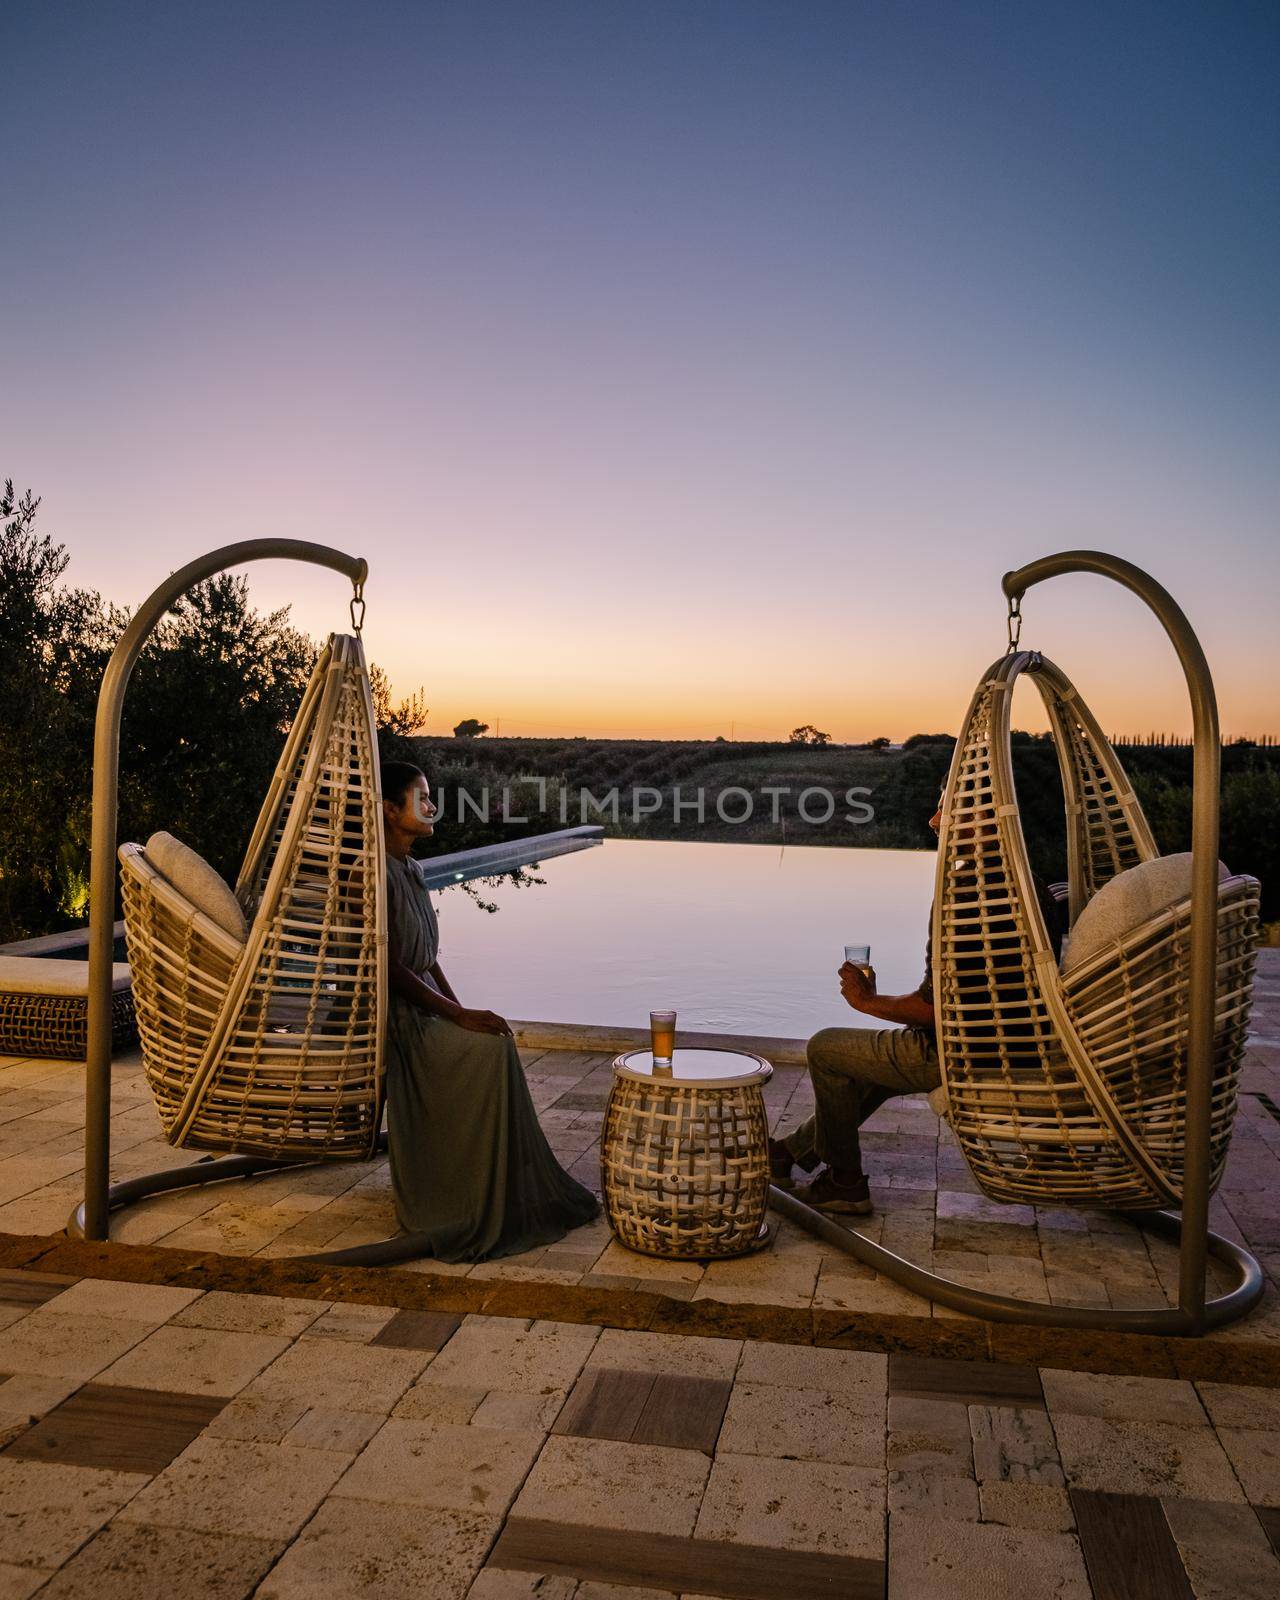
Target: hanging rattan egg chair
[(1110, 1080), (272, 1046), (1069, 1087), (261, 1015)]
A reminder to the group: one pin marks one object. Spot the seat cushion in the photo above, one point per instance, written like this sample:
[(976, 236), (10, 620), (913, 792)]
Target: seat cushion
[(1126, 902), (194, 879), (47, 975)]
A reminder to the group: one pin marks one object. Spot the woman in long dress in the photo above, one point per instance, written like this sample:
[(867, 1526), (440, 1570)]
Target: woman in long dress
[(472, 1172)]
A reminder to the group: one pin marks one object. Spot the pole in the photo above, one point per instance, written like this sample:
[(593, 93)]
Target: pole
[(102, 857), (1204, 894)]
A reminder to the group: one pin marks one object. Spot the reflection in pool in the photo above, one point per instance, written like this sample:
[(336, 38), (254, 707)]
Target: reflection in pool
[(740, 938)]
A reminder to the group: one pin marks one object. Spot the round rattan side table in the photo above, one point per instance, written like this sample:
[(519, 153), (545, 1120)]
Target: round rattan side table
[(684, 1154)]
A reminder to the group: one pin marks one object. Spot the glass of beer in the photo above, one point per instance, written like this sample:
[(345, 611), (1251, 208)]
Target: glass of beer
[(859, 955), (662, 1035)]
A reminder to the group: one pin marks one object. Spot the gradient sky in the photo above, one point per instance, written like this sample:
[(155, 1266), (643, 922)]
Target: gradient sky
[(679, 367)]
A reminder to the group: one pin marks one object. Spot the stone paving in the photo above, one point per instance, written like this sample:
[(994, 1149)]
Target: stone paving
[(163, 1441), (176, 1436), (927, 1205)]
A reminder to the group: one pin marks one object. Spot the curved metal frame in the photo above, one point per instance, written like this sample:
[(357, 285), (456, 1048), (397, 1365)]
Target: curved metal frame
[(91, 1218), (222, 1169), (1194, 1313)]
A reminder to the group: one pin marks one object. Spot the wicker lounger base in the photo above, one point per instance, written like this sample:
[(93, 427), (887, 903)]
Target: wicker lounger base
[(55, 1024)]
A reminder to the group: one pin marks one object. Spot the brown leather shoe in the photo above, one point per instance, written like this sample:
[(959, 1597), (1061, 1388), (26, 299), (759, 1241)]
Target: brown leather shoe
[(781, 1162), (837, 1199)]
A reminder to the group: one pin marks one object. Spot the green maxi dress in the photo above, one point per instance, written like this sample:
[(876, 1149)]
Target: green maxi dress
[(471, 1169)]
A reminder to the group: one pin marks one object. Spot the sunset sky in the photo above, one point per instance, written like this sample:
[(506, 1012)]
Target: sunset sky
[(680, 368)]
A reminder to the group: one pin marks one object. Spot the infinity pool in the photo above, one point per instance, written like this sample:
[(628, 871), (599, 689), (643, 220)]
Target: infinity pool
[(737, 938)]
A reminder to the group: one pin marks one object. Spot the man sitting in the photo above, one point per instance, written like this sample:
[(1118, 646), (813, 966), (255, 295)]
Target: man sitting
[(855, 1070)]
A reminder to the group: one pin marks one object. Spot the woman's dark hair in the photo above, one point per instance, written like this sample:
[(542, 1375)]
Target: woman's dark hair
[(397, 779)]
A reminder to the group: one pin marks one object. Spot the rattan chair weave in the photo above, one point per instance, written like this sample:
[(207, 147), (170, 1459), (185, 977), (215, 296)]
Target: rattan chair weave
[(275, 1048), (685, 1169), (1069, 1090), (55, 1025)]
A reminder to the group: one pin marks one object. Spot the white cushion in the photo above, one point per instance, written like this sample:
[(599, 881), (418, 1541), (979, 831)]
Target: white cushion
[(1126, 902), (194, 879), (47, 975)]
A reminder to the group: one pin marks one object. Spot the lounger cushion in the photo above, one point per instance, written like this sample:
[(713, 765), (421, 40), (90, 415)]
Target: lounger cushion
[(47, 975), (1130, 899), (194, 879)]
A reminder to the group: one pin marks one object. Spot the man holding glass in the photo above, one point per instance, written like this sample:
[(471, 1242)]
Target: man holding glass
[(855, 1070)]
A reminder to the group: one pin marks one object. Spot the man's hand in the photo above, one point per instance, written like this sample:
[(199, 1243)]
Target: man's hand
[(480, 1021), (858, 987)]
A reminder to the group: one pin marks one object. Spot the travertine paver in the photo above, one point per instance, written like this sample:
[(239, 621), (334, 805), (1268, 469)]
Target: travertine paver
[(387, 1552), (262, 1491), (442, 1466), (507, 1354), (494, 1583), (1149, 1458), (1226, 1554), (692, 1357), (1255, 1455), (767, 1277), (355, 1324), (261, 1419), (57, 1346), (803, 1425), (134, 1560), (1236, 1405), (47, 1511), (520, 1412), (134, 1302), (1026, 1505), (1015, 1444), (860, 1376), (340, 1375), (1128, 1399), (931, 1558), (929, 1454), (440, 1402), (606, 1484), (26, 1396), (795, 1505), (251, 1313), (199, 1360), (18, 1583), (617, 1591), (344, 1431)]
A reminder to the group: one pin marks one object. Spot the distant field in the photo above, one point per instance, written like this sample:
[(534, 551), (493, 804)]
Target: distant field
[(552, 782), (797, 793)]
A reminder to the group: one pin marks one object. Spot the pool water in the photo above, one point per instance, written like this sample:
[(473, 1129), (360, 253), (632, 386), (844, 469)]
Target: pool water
[(736, 938)]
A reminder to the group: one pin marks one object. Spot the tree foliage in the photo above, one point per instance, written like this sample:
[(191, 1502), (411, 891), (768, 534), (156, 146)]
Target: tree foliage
[(808, 734), (209, 703), (54, 642)]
